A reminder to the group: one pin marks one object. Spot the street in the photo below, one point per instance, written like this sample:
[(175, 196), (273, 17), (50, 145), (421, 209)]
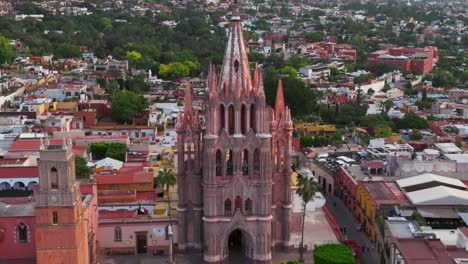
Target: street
[(345, 219)]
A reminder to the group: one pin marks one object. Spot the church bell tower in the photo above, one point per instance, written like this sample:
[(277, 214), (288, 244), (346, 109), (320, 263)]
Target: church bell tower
[(60, 226)]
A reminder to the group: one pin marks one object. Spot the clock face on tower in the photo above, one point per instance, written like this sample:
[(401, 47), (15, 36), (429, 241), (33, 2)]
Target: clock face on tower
[(53, 198)]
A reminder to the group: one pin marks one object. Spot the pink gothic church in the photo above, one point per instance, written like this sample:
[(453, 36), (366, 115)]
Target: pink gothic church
[(234, 184)]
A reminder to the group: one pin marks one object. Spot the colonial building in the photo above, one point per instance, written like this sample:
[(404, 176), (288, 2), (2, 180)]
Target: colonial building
[(61, 230), (234, 170), (58, 222)]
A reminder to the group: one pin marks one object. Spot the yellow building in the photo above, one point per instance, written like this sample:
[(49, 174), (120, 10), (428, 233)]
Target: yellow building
[(375, 200), (54, 106), (312, 129)]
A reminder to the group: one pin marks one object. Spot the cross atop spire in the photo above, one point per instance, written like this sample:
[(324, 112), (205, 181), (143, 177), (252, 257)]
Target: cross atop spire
[(235, 8)]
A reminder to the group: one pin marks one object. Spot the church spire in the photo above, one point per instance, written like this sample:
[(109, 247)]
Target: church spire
[(279, 105), (236, 64), (212, 82)]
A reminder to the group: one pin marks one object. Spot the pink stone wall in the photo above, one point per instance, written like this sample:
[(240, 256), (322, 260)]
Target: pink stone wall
[(107, 243), (10, 247)]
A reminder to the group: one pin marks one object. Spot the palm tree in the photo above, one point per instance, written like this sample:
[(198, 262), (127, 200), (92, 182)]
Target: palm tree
[(306, 190), (167, 178)]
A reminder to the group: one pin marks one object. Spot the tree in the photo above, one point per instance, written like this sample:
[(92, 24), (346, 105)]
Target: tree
[(442, 78), (314, 36), (126, 105), (66, 50), (6, 50), (290, 71), (380, 68), (117, 151), (82, 171), (333, 254), (362, 79), (174, 70), (412, 121), (382, 131), (112, 150), (98, 150), (306, 190), (297, 96), (415, 134), (167, 178), (416, 216)]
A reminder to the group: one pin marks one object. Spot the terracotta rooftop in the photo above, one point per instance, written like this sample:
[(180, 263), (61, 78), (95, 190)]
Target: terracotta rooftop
[(19, 172), (384, 192), (31, 144)]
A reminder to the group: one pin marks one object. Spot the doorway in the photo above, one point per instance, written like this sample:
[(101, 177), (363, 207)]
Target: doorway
[(141, 243), (237, 247)]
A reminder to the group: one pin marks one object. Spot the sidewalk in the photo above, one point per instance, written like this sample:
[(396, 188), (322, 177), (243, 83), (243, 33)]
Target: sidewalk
[(345, 218)]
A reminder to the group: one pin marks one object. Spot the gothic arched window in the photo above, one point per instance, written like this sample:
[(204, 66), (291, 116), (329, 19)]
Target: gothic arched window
[(248, 206), (256, 161), (232, 118), (229, 163), (222, 119), (243, 119), (54, 178), (218, 163), (22, 233), (245, 162), (227, 207), (238, 203), (252, 118)]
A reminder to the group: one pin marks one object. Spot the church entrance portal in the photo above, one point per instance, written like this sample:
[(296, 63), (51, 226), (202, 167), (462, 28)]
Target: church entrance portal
[(238, 246)]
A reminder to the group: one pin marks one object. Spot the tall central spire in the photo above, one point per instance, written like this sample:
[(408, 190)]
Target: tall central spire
[(235, 74)]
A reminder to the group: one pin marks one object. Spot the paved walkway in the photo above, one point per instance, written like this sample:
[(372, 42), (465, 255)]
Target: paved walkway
[(345, 218), (194, 258)]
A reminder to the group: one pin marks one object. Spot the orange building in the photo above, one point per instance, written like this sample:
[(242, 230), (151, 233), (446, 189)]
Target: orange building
[(62, 224)]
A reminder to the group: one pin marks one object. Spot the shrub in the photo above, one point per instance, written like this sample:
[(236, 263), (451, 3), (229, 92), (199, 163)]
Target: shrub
[(116, 151), (333, 254)]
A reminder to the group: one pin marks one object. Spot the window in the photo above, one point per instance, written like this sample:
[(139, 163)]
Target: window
[(55, 217), (22, 233), (117, 234), (229, 163), (221, 117), (238, 203), (252, 118), (236, 66), (218, 163), (257, 161), (245, 162), (248, 206), (227, 207), (53, 178), (232, 118), (243, 120)]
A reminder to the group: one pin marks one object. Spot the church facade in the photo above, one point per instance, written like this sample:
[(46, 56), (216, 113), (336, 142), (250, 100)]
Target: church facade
[(234, 184)]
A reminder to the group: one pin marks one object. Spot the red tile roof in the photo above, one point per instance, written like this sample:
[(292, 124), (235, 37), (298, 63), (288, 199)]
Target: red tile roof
[(124, 178), (12, 161), (19, 172), (31, 144), (101, 137)]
